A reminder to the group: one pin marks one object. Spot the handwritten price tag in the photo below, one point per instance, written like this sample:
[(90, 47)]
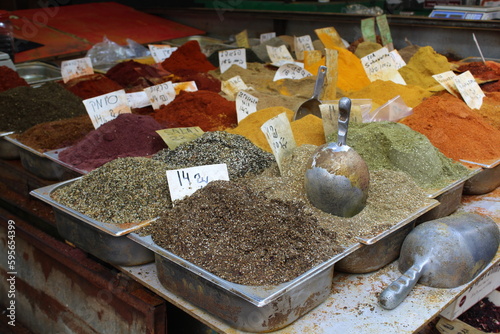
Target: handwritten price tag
[(380, 65), (279, 55), (160, 94), (184, 182), (242, 39), (291, 71), (228, 58), (138, 99), (173, 137), (368, 30), (75, 68), (279, 135), (104, 108), (245, 105), (267, 36), (302, 43), (447, 80), (161, 52), (233, 86), (470, 90)]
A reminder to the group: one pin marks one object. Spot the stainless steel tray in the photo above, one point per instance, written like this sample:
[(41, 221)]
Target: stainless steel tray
[(103, 240), (37, 73), (37, 163), (8, 151), (247, 308), (487, 180), (54, 156)]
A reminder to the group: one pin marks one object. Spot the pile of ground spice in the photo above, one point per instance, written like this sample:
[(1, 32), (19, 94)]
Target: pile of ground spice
[(256, 75), (493, 86), (91, 85), (57, 134), (395, 146), (128, 135), (125, 190), (490, 109), (204, 81), (23, 107), (134, 75), (302, 88), (455, 129), (268, 100), (242, 236), (480, 70), (422, 66), (10, 79), (188, 57), (240, 154), (206, 109)]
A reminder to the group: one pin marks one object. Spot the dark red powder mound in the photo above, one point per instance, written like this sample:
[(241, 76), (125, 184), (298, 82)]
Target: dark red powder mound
[(132, 74), (128, 135), (206, 109), (187, 57), (91, 85), (10, 79)]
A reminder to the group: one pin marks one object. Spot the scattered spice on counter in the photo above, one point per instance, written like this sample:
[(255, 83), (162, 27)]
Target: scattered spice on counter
[(422, 66), (203, 108), (10, 79), (57, 134), (395, 146), (125, 190), (134, 75), (240, 154), (23, 107), (455, 129), (256, 75), (382, 91), (91, 85), (490, 109), (128, 135), (243, 237), (484, 316), (187, 58)]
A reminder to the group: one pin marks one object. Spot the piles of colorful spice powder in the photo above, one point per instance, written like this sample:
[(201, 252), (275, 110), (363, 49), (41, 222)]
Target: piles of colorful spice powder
[(91, 85), (188, 58), (10, 79)]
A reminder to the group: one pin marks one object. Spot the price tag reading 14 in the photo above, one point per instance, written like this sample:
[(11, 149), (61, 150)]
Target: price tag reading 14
[(184, 182)]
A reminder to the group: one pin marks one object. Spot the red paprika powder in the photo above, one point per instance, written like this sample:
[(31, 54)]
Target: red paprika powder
[(188, 57), (10, 79), (91, 85), (133, 75)]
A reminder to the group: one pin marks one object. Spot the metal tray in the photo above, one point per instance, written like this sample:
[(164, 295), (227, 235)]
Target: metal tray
[(38, 164), (247, 308), (107, 242), (54, 156), (487, 180), (37, 73), (8, 151)]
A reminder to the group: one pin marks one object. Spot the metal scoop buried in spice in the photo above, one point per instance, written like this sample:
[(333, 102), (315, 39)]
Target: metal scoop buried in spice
[(311, 106), (337, 178)]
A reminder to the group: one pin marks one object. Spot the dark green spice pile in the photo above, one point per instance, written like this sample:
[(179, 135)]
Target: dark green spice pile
[(242, 236), (395, 146), (125, 190), (23, 107), (240, 154)]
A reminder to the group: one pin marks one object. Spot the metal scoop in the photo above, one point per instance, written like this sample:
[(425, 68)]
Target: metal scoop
[(443, 253), (337, 178), (311, 106)]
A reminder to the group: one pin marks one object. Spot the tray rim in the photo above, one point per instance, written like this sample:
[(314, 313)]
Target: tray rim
[(54, 156), (23, 146), (441, 191), (43, 194), (491, 165)]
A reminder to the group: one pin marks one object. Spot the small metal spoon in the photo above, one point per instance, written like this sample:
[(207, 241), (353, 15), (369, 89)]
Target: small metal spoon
[(311, 106)]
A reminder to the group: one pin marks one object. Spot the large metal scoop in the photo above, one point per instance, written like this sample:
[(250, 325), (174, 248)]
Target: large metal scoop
[(337, 178), (443, 253), (311, 106)]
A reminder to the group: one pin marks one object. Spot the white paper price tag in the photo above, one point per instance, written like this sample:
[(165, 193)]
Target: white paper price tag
[(245, 105), (291, 71), (104, 108), (400, 62), (279, 55), (267, 36), (469, 89), (447, 80), (75, 68), (233, 86), (279, 135), (161, 52), (301, 44), (228, 58), (380, 65), (173, 137), (138, 99), (184, 182), (160, 94)]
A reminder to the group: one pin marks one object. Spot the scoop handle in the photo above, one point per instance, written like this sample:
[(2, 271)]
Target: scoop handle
[(397, 291), (344, 114), (320, 79)]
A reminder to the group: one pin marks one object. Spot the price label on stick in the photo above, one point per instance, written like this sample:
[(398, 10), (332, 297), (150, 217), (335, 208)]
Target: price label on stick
[(160, 94), (470, 90), (245, 105), (228, 58), (104, 108), (368, 30), (279, 135), (75, 68), (160, 52), (301, 44), (291, 71), (173, 137), (385, 31), (242, 39), (184, 182)]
